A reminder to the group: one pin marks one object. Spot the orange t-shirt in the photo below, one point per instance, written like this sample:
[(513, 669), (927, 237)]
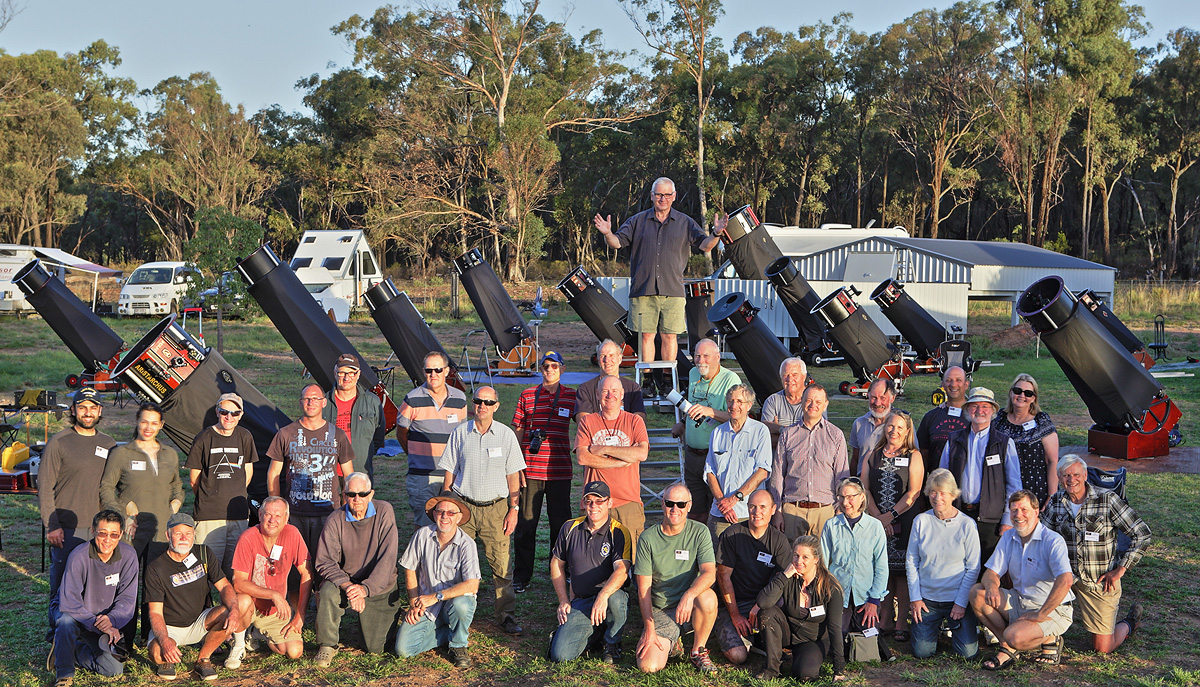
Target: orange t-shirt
[(628, 429)]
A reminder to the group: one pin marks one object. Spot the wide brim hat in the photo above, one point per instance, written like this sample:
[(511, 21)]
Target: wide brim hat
[(433, 502)]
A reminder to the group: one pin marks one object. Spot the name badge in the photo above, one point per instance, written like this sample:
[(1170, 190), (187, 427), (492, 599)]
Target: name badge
[(993, 459), (190, 560), (817, 611), (1091, 536), (871, 632), (564, 412), (276, 552), (112, 580), (610, 441), (495, 452), (682, 554), (137, 465), (764, 557), (452, 417), (101, 452), (954, 412), (901, 461)]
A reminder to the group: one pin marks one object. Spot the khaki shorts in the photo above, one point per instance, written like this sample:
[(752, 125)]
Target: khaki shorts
[(657, 314), (1097, 608), (271, 626), (1055, 625), (187, 636)]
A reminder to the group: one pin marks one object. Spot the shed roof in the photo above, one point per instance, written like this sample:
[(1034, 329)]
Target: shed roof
[(997, 253)]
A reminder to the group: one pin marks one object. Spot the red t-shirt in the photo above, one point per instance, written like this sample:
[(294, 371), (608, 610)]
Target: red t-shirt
[(345, 410), (265, 569), (628, 429)]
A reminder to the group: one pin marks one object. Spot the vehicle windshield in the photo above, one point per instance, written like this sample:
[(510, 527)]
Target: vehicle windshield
[(151, 275)]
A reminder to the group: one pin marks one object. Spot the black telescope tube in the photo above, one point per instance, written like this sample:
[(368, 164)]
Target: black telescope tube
[(93, 342), (594, 305), (403, 327), (799, 299), (751, 341), (500, 316), (914, 323), (857, 336)]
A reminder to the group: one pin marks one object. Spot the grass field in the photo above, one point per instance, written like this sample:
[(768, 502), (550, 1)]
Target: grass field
[(1164, 653)]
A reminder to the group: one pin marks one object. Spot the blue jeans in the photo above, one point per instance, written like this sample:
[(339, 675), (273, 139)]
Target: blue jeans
[(75, 644), (453, 623), (572, 637), (964, 637), (58, 566)]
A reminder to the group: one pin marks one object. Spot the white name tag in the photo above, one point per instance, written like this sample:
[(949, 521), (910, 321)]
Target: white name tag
[(495, 452), (137, 465), (102, 452), (954, 412), (610, 441), (901, 461), (870, 631), (112, 580), (764, 557), (682, 554), (190, 560), (452, 417), (1029, 425), (993, 459), (1091, 536), (564, 412), (817, 611), (276, 552)]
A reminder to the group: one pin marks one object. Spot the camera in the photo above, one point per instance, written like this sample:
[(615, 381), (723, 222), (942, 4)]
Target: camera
[(536, 437), (676, 399)]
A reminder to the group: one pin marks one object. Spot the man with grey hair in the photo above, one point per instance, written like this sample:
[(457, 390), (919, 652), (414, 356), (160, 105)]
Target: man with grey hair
[(659, 239), (609, 355), (708, 383), (867, 429), (356, 558), (1089, 519), (739, 461), (784, 408)]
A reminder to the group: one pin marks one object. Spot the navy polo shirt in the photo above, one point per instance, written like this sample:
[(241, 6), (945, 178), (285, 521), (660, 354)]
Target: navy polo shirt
[(592, 556)]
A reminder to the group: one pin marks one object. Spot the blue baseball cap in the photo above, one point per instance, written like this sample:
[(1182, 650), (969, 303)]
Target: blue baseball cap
[(552, 356)]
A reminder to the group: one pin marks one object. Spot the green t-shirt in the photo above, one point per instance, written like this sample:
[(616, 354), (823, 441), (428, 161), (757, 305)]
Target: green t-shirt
[(707, 393), (672, 562)]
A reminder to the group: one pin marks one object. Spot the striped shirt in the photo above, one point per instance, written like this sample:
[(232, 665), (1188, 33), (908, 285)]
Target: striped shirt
[(809, 463), (481, 463), (429, 425), (551, 413), (1091, 535)]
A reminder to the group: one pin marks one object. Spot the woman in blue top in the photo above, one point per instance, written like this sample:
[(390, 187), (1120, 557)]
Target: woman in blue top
[(855, 550)]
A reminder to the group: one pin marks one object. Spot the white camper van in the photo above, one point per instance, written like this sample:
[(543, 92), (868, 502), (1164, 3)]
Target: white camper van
[(336, 267), (156, 288)]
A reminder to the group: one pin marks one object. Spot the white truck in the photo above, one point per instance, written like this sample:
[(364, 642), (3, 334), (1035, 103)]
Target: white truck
[(156, 288), (336, 267)]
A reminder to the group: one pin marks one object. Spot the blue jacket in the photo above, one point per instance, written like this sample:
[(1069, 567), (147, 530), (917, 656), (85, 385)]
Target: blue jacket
[(91, 587)]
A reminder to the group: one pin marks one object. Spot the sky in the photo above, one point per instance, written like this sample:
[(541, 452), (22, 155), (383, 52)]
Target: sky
[(258, 49)]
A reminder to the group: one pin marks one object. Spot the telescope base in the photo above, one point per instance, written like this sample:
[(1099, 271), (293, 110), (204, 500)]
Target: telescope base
[(1130, 446)]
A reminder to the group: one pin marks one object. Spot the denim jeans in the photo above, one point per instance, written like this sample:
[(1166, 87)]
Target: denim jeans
[(572, 637), (75, 644), (451, 627), (58, 566), (964, 635)]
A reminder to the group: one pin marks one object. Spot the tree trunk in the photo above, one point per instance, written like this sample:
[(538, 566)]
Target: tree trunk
[(1105, 223)]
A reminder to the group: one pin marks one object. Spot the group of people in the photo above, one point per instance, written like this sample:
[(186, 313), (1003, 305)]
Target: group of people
[(781, 534)]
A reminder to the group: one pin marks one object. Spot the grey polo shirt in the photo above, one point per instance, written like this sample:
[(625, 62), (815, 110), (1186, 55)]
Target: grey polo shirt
[(1033, 566), (864, 434), (481, 463), (659, 252), (439, 569), (777, 409), (734, 456)]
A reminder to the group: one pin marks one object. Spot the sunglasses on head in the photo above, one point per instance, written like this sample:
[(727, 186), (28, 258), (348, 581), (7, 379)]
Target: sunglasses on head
[(359, 494), (675, 504), (229, 413), (434, 370), (485, 401), (1027, 393)]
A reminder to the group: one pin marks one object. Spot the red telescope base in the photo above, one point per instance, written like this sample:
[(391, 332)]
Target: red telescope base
[(1162, 417)]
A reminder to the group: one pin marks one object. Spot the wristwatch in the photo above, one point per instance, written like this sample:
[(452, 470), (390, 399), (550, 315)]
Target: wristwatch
[(741, 496), (439, 596)]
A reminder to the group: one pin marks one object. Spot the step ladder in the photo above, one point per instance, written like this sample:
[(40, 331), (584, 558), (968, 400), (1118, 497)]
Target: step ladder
[(661, 441)]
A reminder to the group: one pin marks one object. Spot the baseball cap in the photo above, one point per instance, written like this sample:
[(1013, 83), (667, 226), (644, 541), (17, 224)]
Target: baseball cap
[(180, 519), (232, 398), (596, 488), (552, 356), (347, 360), (88, 394)]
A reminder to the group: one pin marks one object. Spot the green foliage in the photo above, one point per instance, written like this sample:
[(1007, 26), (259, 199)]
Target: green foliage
[(222, 239)]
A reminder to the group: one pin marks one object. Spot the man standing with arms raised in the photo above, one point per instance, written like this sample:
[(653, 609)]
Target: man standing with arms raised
[(359, 415), (659, 240), (427, 415)]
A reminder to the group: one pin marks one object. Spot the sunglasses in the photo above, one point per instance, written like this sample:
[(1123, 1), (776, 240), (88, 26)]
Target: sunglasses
[(485, 402), (434, 370), (551, 366), (229, 413), (358, 494), (444, 513), (270, 566), (1027, 393), (108, 535), (675, 504)]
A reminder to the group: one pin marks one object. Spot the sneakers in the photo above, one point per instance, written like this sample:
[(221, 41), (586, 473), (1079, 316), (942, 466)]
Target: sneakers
[(1134, 619), (64, 682), (165, 671), (324, 656), (510, 626), (234, 660), (649, 386), (460, 658), (612, 652), (676, 649), (205, 669), (703, 663), (520, 587)]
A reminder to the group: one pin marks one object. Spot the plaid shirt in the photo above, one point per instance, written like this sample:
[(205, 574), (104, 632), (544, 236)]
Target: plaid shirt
[(1101, 512)]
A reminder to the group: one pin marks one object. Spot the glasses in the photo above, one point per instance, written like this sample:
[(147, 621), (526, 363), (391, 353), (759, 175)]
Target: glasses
[(358, 494), (855, 480), (348, 373), (675, 504), (439, 513), (308, 399), (594, 502), (663, 195), (270, 566), (901, 412), (551, 366), (229, 413), (489, 402), (434, 370), (1027, 393), (108, 535)]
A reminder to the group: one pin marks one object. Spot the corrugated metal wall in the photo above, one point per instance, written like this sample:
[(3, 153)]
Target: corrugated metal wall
[(830, 265), (999, 278)]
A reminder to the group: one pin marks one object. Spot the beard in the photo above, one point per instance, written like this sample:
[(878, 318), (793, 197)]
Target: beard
[(87, 423), (182, 549), (880, 414)]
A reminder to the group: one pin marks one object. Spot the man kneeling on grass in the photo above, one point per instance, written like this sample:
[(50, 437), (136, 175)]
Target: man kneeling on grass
[(1037, 610), (177, 584)]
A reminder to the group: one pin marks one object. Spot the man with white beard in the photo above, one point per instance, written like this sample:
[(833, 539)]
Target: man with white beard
[(708, 383), (866, 430)]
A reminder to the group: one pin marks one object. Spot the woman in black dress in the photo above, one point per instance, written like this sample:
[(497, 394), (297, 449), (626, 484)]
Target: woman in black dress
[(1034, 434)]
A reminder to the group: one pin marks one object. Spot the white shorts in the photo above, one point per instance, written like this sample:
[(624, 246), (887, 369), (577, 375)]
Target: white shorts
[(192, 634)]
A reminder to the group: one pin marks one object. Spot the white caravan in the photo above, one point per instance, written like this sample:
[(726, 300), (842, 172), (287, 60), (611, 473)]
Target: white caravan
[(14, 256), (336, 267)]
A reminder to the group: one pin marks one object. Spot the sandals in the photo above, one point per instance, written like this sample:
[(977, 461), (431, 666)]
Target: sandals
[(995, 664), (1051, 653)]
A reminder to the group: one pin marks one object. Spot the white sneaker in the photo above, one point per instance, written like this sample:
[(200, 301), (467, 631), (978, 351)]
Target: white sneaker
[(236, 654)]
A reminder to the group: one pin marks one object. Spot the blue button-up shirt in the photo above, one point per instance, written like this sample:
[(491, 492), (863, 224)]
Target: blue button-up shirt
[(1033, 567), (734, 456), (857, 557)]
